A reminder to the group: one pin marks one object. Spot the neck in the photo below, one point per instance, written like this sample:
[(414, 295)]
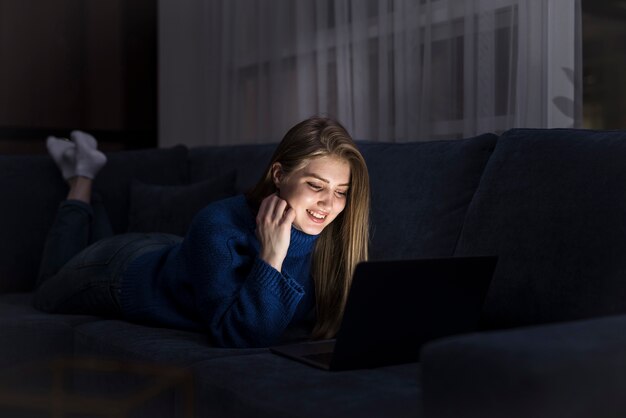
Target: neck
[(301, 243)]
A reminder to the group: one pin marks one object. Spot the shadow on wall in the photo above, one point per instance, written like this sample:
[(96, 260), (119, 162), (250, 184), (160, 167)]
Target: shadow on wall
[(566, 104)]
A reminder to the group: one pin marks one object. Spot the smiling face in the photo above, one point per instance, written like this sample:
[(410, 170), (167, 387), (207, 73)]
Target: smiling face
[(317, 192)]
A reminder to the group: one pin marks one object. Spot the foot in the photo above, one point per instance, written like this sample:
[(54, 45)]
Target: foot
[(89, 160), (63, 152)]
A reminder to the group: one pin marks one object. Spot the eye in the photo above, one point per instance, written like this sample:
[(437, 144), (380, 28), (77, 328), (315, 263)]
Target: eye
[(314, 186), (342, 194)]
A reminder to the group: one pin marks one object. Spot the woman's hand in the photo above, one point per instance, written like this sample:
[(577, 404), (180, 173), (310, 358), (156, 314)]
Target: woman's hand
[(273, 230)]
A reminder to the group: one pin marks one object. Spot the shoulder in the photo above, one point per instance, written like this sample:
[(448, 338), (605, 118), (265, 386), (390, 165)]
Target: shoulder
[(231, 213)]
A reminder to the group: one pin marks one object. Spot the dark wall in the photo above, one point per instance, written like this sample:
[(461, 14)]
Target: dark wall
[(78, 64)]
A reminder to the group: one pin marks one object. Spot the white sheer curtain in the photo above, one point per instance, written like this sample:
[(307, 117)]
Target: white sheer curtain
[(244, 71)]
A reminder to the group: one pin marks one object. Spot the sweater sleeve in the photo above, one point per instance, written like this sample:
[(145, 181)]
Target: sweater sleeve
[(243, 301)]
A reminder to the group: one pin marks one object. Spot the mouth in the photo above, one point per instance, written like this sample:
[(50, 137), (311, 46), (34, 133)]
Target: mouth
[(317, 217)]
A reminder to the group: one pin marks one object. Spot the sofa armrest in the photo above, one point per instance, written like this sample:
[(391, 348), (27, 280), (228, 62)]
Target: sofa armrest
[(569, 369)]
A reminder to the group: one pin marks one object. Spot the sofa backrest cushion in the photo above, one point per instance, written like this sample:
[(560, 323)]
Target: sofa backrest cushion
[(165, 166), (32, 189), (170, 209), (552, 205), (248, 162), (421, 192)]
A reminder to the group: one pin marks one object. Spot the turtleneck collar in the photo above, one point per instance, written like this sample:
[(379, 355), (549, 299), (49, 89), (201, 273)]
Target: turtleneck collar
[(301, 243)]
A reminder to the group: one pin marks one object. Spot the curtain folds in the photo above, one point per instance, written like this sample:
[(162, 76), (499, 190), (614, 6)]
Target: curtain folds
[(390, 70)]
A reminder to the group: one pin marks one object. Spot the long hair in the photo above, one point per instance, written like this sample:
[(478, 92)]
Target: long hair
[(344, 242)]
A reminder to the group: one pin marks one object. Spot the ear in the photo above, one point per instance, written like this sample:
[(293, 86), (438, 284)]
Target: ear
[(277, 174)]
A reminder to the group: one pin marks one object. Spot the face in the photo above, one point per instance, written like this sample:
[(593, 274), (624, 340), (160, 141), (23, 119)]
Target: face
[(317, 192)]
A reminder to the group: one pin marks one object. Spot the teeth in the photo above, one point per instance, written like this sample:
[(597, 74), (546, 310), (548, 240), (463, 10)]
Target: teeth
[(316, 215)]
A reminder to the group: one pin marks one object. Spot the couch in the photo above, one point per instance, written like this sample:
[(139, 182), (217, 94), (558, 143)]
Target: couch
[(547, 202)]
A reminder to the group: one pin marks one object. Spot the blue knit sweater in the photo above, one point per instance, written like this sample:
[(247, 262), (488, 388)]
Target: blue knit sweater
[(215, 281)]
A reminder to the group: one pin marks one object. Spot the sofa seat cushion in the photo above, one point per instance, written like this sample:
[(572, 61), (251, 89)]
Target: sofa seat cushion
[(33, 339), (127, 341), (18, 306), (267, 385), (421, 192), (29, 335), (575, 369), (549, 205)]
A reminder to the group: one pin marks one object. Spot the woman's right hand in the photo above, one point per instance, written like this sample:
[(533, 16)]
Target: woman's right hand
[(273, 229)]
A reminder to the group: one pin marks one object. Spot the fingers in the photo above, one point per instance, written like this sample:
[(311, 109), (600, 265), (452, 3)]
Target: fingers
[(273, 230), (273, 209), (290, 215), (265, 208), (279, 210)]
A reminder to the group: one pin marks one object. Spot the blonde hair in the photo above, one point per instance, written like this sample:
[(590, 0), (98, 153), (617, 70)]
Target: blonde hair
[(344, 242)]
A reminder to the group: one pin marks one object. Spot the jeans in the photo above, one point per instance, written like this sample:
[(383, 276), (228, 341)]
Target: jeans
[(83, 262)]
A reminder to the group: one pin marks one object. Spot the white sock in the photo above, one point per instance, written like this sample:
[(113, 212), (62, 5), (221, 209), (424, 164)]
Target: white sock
[(63, 152), (89, 160)]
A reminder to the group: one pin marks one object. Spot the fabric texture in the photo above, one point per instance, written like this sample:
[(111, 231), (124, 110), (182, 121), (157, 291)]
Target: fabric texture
[(27, 210), (575, 369), (215, 281), (134, 342), (31, 197), (158, 166), (271, 386), (549, 205), (76, 226), (90, 282), (170, 209), (249, 161), (418, 207)]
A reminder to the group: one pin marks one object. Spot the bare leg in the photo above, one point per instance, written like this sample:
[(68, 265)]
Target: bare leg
[(80, 189)]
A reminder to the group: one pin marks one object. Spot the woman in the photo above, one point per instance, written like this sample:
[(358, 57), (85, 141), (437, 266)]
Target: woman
[(249, 267)]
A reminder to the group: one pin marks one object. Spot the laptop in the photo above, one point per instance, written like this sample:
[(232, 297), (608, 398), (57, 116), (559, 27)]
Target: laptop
[(394, 307)]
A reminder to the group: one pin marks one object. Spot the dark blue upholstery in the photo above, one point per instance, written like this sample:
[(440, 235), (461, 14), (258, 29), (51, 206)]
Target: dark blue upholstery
[(131, 342), (574, 370), (549, 203), (170, 209), (270, 386), (152, 166), (33, 188), (249, 161), (418, 206), (552, 205)]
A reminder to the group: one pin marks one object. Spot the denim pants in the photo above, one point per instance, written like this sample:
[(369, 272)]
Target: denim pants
[(83, 262)]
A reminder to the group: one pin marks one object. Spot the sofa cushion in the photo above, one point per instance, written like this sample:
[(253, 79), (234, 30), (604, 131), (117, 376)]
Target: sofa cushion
[(575, 369), (420, 194), (549, 205), (33, 188), (18, 306), (248, 161), (28, 334), (133, 342), (170, 209), (267, 385), (153, 166)]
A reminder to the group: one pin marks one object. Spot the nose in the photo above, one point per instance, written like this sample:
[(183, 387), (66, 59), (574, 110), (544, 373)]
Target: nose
[(326, 201)]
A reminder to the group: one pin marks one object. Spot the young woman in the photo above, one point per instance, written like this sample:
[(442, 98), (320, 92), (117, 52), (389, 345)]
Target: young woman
[(249, 267)]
